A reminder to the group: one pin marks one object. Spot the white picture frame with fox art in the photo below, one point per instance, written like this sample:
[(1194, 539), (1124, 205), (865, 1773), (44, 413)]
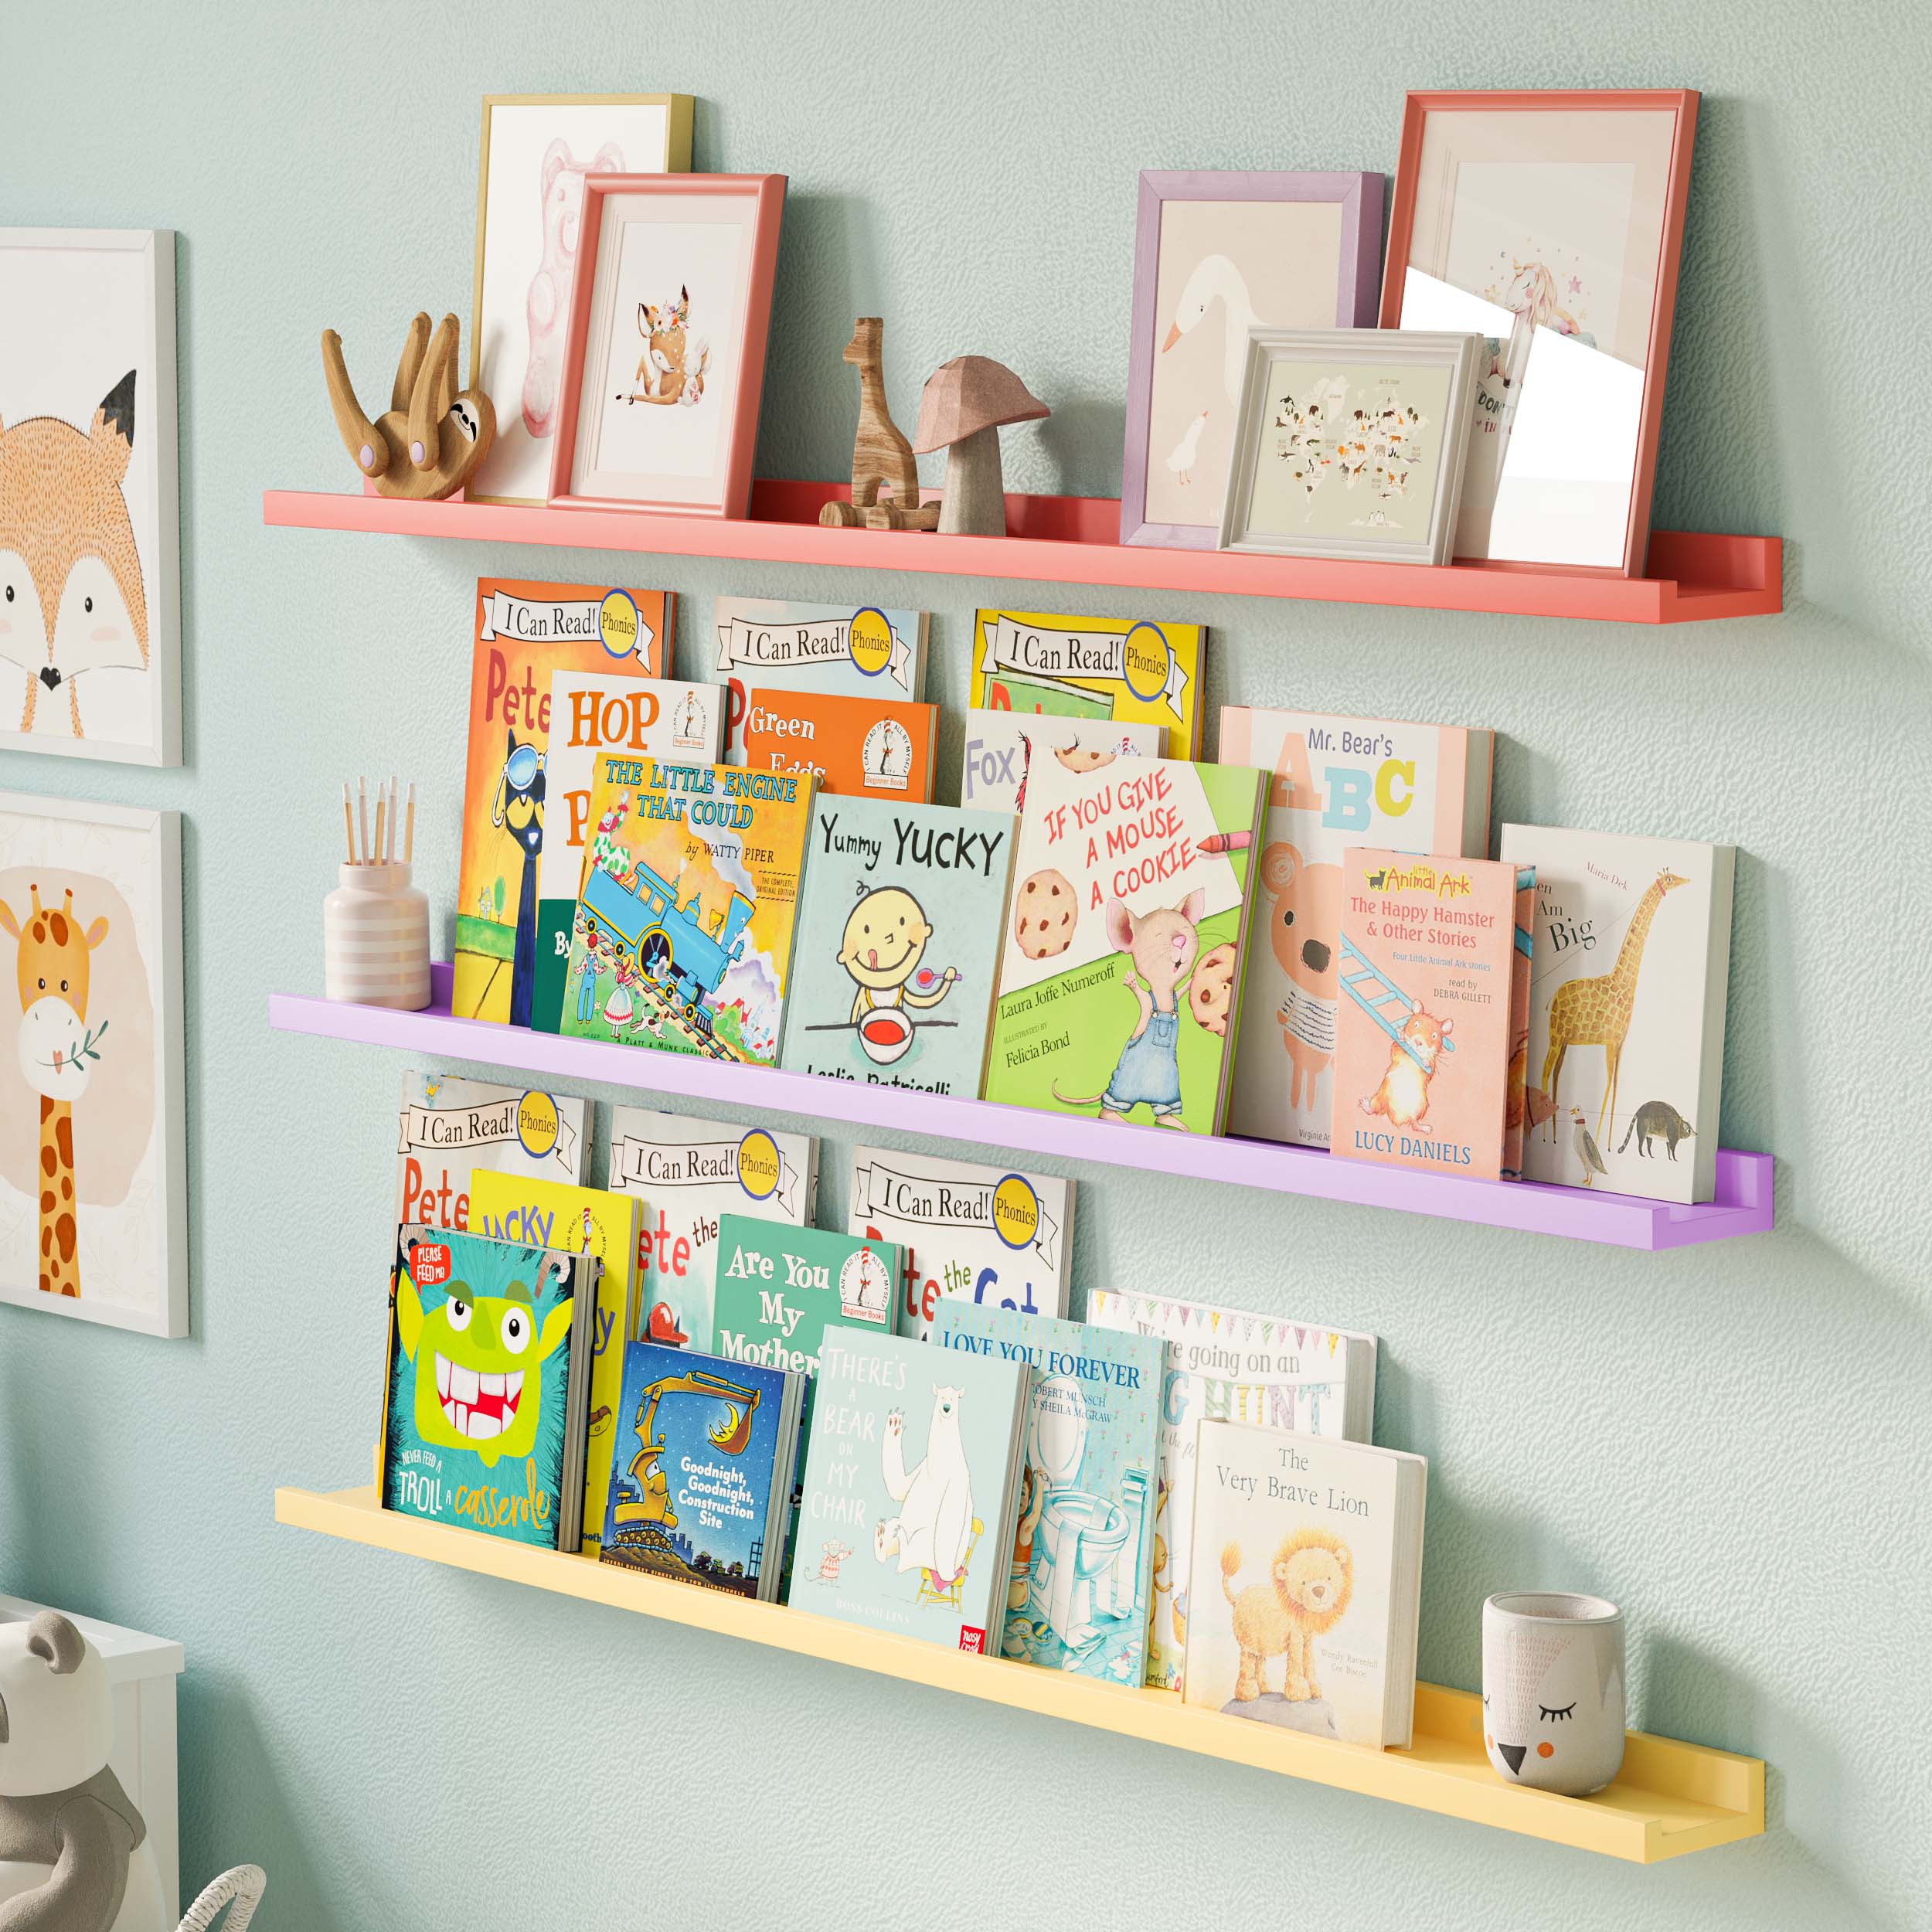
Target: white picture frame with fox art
[(93, 1180), (89, 537)]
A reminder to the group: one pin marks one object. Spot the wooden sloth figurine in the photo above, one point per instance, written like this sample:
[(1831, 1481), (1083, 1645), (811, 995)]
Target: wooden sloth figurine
[(881, 457), (433, 436)]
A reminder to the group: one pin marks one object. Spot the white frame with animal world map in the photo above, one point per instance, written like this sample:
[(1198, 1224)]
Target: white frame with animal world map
[(161, 1308), (147, 341)]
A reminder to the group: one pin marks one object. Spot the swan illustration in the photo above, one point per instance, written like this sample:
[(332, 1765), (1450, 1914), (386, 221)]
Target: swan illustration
[(1182, 461), (1217, 279)]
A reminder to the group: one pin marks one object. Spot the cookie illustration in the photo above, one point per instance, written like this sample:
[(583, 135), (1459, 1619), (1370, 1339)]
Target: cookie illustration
[(1043, 914), (1211, 991)]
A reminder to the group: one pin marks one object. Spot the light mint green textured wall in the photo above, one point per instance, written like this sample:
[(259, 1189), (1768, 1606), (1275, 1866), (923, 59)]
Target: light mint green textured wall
[(1731, 1442)]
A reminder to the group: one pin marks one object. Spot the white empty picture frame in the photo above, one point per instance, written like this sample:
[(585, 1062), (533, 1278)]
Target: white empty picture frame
[(89, 541)]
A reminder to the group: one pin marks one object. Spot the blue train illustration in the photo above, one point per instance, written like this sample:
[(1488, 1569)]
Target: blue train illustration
[(672, 947)]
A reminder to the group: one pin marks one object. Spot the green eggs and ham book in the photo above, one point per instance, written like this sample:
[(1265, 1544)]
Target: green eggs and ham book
[(447, 1128), (701, 1478), (1120, 978), (1305, 1585), (906, 1516), (1083, 1548), (898, 944), (485, 1403)]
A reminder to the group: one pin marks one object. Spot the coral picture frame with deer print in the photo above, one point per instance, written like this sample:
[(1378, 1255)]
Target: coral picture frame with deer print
[(93, 1148), (664, 368), (90, 592)]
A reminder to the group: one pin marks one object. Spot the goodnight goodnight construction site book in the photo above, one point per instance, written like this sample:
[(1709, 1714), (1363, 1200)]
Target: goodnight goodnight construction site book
[(449, 1128), (898, 944), (907, 1515), (489, 1375), (683, 933), (525, 631), (1120, 979)]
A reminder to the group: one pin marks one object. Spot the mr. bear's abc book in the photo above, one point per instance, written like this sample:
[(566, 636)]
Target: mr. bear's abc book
[(1126, 934), (524, 632), (682, 938), (1333, 782), (488, 1384), (898, 944)]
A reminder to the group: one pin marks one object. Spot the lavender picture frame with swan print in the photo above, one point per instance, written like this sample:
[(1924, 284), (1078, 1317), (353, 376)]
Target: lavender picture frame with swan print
[(1214, 253)]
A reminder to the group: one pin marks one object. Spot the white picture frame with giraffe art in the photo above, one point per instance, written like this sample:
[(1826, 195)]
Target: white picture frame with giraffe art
[(93, 1186)]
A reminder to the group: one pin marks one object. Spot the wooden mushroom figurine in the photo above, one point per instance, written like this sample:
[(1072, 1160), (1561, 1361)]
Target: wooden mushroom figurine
[(966, 403)]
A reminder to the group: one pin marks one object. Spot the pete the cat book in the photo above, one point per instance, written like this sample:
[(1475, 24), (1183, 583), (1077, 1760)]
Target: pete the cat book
[(448, 1129), (1000, 747), (872, 747)]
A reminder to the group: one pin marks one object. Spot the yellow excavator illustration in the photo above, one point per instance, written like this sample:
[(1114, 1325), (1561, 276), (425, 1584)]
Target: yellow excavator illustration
[(651, 1506)]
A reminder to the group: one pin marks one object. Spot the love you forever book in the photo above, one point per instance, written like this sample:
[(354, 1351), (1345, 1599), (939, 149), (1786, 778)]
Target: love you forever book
[(449, 1128)]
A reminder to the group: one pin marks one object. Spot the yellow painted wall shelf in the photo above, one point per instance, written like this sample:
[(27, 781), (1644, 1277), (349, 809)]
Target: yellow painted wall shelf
[(1670, 1798)]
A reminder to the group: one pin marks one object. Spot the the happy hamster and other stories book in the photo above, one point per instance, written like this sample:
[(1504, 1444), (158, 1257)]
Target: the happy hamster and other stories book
[(1083, 1548), (488, 1376), (892, 980), (1422, 1043), (1129, 669), (701, 1477), (1001, 745), (906, 1521), (1250, 1367), (683, 936), (965, 1232), (585, 1220), (1120, 978), (1631, 965), (1333, 782), (448, 1129), (1306, 1583), (690, 1174), (875, 747), (608, 709), (525, 631), (856, 651)]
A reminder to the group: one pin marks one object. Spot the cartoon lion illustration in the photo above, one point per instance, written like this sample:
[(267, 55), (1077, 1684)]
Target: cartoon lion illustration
[(1309, 1584)]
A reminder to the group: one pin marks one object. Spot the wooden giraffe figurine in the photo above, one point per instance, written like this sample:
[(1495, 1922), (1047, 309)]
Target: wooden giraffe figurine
[(881, 457), (1596, 1012), (52, 968)]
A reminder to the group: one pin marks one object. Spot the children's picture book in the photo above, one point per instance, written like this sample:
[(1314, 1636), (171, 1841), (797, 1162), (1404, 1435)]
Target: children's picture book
[(701, 1477), (683, 936), (523, 632), (1083, 1549), (1332, 782), (584, 1220), (965, 1232), (906, 1520), (1516, 1094), (1625, 1052), (1250, 1367), (1120, 979), (449, 1129), (780, 1289), (1422, 1043), (488, 1374), (1129, 669), (1306, 1583), (689, 1174), (855, 652), (899, 939), (1000, 747), (874, 746), (593, 711)]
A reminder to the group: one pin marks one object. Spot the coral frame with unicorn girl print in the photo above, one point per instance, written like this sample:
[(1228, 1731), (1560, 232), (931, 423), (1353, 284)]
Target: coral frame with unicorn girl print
[(1215, 253), (664, 363), (93, 1152)]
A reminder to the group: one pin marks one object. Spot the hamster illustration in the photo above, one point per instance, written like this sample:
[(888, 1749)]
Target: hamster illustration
[(1403, 1095)]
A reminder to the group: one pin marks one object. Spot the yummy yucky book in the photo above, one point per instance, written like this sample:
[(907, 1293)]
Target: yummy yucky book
[(1083, 1546), (855, 651), (1625, 1058), (608, 709), (1332, 782), (1001, 745), (488, 1375), (689, 1174), (872, 747), (1129, 669), (906, 1517), (965, 1232), (682, 939), (523, 633), (448, 1129), (1283, 1375), (1120, 977), (899, 937)]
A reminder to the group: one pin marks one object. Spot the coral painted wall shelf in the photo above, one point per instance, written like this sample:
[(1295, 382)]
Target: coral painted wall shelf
[(1074, 539)]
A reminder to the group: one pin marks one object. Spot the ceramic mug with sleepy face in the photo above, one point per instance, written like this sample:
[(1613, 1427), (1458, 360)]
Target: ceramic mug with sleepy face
[(1553, 1690)]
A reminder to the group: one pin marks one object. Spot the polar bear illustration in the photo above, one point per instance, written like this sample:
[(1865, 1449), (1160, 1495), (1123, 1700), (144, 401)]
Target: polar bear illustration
[(934, 1525)]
